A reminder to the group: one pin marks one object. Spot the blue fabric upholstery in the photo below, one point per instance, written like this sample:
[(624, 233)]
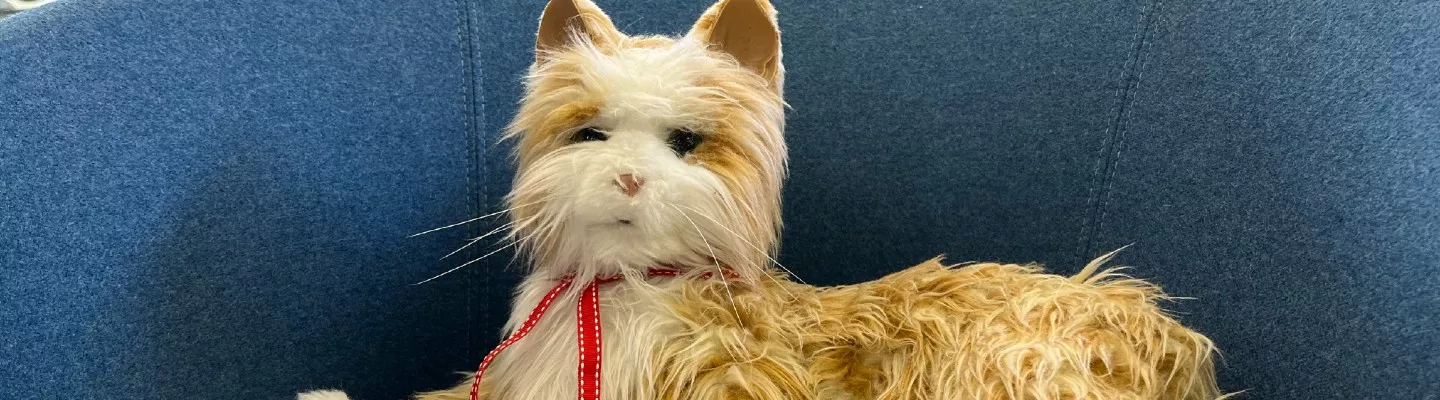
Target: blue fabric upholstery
[(211, 199), (201, 199)]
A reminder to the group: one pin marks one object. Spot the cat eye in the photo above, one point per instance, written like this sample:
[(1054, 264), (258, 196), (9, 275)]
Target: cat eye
[(589, 134), (683, 141)]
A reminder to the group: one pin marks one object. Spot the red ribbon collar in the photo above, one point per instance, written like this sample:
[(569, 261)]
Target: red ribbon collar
[(587, 324)]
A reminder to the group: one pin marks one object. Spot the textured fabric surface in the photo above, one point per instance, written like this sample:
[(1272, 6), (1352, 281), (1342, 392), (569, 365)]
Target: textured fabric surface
[(204, 200), (1281, 162), (211, 199)]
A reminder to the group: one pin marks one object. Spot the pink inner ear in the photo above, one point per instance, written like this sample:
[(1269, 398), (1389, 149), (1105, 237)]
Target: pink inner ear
[(745, 30), (555, 24), (563, 19)]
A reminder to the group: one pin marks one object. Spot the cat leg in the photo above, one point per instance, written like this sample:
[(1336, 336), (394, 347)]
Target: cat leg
[(460, 391)]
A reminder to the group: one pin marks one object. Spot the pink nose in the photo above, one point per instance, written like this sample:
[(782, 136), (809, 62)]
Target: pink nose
[(629, 184)]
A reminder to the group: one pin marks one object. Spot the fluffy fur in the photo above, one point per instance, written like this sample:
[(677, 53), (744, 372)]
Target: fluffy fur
[(981, 331), (603, 188)]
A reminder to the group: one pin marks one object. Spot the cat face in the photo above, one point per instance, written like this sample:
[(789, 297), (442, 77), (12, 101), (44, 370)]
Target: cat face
[(640, 151)]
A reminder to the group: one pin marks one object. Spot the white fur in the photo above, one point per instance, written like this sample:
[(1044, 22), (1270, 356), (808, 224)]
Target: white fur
[(647, 93), (543, 365), (323, 395)]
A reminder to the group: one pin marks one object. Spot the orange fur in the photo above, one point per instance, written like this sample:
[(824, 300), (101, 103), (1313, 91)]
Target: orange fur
[(982, 331)]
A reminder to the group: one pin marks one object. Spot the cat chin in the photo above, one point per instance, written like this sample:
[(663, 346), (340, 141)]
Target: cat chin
[(628, 246)]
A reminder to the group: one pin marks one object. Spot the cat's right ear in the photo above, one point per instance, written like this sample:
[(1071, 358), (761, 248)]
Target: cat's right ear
[(565, 21)]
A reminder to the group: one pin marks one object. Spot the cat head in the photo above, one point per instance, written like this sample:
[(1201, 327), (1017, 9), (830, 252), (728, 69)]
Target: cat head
[(640, 151)]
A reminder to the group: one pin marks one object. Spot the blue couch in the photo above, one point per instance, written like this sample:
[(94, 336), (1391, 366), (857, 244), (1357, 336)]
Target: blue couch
[(210, 199)]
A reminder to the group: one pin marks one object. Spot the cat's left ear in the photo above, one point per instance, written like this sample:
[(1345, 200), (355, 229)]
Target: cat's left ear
[(745, 29)]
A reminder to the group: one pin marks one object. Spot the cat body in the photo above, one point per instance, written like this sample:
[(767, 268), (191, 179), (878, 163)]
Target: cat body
[(639, 152), (980, 331)]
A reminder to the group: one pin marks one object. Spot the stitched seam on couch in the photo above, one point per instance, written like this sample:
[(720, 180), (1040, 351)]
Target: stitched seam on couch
[(472, 120), (1107, 160), (481, 158)]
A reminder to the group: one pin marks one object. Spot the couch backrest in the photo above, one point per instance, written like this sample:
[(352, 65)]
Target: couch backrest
[(213, 198)]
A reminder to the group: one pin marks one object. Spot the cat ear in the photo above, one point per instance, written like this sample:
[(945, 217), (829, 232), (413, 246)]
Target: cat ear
[(565, 21), (745, 29)]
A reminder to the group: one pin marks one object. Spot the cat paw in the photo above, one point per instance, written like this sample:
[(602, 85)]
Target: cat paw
[(323, 395)]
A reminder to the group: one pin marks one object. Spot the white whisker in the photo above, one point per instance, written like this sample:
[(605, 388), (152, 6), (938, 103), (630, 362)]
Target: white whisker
[(472, 241), (479, 218), (781, 285), (747, 242), (512, 244), (718, 269), (544, 225)]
